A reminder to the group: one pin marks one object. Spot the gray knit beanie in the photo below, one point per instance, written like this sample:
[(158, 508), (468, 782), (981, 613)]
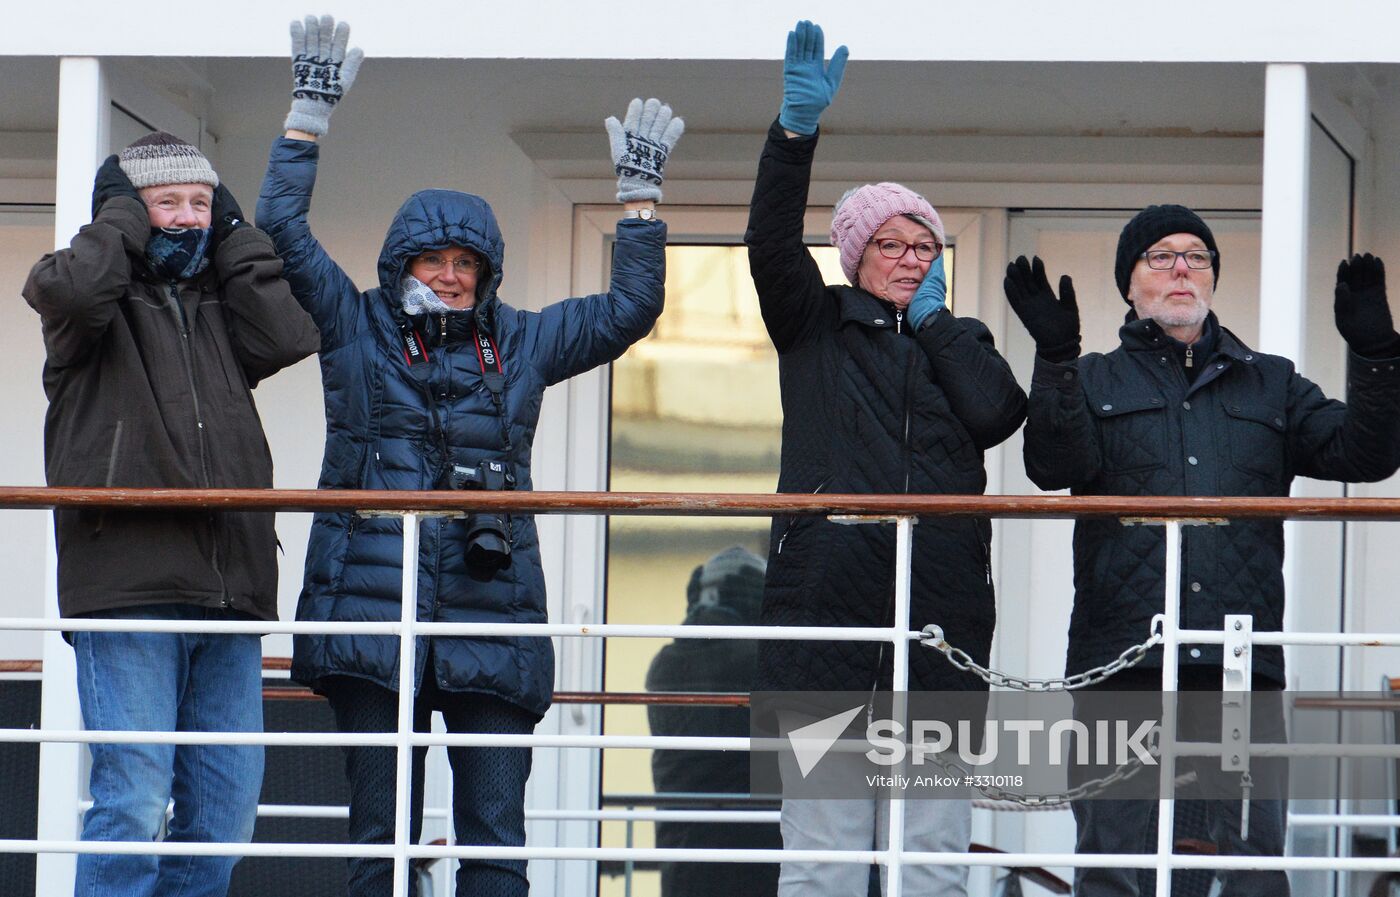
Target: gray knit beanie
[(160, 158)]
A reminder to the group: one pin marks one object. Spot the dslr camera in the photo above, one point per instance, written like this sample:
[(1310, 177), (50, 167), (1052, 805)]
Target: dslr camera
[(488, 534)]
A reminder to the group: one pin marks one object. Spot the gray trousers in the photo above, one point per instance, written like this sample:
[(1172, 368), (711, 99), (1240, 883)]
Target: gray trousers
[(932, 825)]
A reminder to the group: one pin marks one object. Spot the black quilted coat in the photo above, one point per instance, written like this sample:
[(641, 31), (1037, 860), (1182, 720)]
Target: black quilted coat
[(869, 407), (1127, 423)]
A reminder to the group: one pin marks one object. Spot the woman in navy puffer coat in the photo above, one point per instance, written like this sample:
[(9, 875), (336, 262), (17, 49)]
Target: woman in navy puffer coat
[(407, 396)]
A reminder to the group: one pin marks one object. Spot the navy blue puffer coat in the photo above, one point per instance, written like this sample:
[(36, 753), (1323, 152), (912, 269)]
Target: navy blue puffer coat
[(381, 434)]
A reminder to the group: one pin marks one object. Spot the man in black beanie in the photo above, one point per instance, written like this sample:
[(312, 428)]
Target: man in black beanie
[(158, 320), (1183, 407)]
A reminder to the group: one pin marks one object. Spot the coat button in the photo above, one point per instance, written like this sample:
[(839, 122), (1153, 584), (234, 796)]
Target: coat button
[(1191, 460), (879, 320), (1220, 367), (1162, 360), (1195, 586), (1235, 409), (1186, 405), (1108, 407), (1069, 375), (1249, 358), (1195, 652), (1156, 402), (1278, 422)]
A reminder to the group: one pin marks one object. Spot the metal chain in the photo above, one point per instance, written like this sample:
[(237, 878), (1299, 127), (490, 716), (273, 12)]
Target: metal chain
[(1059, 799), (932, 637)]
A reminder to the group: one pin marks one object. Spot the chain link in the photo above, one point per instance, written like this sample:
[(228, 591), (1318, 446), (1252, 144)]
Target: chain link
[(1081, 791), (932, 637)]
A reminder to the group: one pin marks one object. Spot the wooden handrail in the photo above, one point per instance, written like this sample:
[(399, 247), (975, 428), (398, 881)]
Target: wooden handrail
[(707, 504)]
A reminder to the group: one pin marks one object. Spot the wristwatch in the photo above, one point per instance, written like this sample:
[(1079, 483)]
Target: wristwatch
[(644, 214)]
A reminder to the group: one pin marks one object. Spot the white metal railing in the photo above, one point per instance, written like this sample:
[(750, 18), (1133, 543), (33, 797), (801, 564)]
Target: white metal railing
[(894, 857)]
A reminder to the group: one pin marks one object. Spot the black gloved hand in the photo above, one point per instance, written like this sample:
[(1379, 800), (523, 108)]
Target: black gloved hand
[(225, 216), (1053, 322), (1363, 315), (111, 181)]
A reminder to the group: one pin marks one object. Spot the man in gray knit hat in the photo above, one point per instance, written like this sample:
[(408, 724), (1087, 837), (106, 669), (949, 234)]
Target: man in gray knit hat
[(1183, 407), (158, 320)]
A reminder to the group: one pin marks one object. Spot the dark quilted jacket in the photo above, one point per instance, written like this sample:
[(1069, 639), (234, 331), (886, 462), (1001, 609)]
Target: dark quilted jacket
[(380, 430), (869, 407), (1127, 423)]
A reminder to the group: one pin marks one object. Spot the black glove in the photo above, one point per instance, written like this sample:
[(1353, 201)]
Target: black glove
[(1053, 323), (111, 181), (225, 216), (1363, 315)]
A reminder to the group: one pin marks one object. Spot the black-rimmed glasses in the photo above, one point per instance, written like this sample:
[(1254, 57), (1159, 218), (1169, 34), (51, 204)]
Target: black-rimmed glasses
[(1165, 259)]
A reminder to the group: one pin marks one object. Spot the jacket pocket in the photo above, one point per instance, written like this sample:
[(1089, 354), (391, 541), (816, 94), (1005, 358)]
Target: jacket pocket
[(1255, 433), (1132, 432)]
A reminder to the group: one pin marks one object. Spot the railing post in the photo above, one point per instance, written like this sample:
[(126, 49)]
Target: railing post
[(404, 769), (84, 116), (903, 556), (1171, 629)]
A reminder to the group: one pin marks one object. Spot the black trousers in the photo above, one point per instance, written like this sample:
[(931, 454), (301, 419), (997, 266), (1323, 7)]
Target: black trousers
[(1107, 825), (488, 784)]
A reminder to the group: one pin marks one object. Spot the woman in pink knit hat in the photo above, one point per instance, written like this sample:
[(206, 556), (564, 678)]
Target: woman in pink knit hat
[(884, 391)]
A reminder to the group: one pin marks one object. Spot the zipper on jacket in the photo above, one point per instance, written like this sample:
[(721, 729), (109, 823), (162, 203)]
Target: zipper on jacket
[(187, 355), (1189, 356), (905, 447), (793, 522), (899, 320)]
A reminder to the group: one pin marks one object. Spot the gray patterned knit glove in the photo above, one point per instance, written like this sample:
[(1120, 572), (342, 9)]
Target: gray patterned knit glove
[(322, 72), (640, 146)]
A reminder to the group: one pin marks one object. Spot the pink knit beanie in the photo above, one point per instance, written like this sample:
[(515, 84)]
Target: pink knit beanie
[(864, 210)]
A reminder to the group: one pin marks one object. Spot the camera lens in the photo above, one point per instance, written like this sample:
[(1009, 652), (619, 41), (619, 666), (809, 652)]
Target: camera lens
[(488, 545)]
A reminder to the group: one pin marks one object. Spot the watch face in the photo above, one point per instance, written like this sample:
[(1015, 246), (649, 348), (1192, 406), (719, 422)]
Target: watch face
[(644, 214)]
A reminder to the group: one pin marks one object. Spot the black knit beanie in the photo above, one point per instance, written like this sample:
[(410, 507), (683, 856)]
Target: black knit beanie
[(1152, 224)]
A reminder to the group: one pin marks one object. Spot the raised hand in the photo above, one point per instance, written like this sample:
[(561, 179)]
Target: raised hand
[(110, 182), (322, 72), (1363, 314), (809, 82), (931, 296), (224, 216), (1053, 321), (640, 146)]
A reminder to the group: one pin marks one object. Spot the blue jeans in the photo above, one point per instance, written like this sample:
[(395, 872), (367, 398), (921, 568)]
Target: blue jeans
[(171, 682)]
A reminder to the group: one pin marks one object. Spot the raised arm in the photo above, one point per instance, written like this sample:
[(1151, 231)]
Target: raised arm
[(1061, 445), (787, 279), (1358, 441), (322, 72), (76, 290), (577, 335)]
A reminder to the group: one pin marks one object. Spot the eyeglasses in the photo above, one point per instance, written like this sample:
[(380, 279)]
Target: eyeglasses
[(432, 263), (891, 248), (1165, 259)]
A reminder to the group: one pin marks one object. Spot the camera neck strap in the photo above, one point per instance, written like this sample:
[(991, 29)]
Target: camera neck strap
[(415, 352)]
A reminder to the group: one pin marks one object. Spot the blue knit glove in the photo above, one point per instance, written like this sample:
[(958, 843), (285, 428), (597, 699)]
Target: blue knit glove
[(322, 72), (809, 85), (929, 297)]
